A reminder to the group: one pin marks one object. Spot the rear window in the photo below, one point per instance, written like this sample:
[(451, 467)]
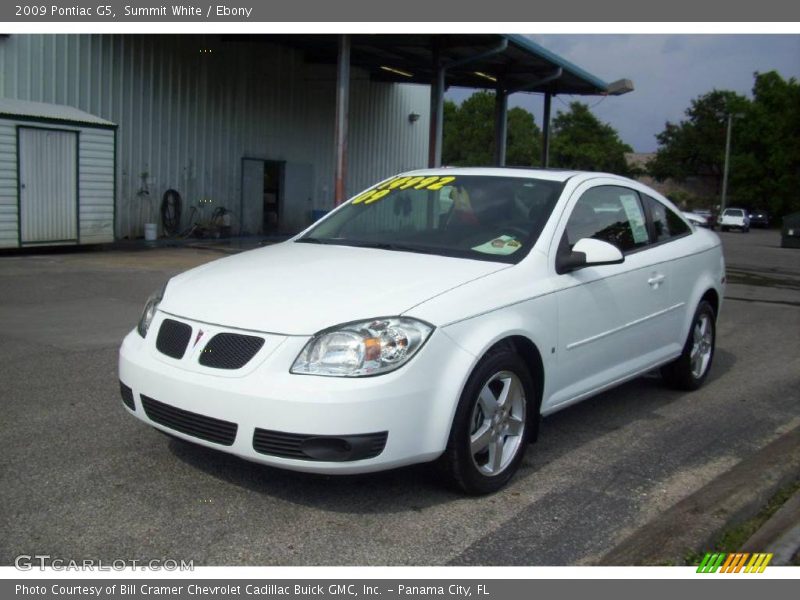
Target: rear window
[(734, 212), (666, 224)]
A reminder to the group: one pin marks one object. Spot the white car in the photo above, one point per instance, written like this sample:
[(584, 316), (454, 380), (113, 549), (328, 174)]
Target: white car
[(435, 316), (734, 218), (697, 219)]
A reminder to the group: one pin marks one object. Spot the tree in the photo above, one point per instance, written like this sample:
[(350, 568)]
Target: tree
[(696, 146), (765, 144), (524, 144), (581, 141), (765, 163), (468, 133), (451, 141)]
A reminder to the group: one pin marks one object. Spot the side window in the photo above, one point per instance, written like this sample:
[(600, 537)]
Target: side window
[(666, 224), (611, 214)]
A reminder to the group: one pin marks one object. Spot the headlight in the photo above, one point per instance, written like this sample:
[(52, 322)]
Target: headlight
[(150, 308), (362, 348)]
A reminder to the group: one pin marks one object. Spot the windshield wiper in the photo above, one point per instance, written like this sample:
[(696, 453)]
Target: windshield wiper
[(390, 246), (366, 244)]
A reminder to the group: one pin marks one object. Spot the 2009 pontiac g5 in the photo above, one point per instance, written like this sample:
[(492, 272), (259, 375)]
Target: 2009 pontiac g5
[(435, 316)]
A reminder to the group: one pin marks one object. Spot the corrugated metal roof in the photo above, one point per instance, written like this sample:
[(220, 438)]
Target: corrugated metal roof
[(10, 107)]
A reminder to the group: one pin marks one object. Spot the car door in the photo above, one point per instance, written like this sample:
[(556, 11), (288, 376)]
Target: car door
[(671, 242), (611, 318)]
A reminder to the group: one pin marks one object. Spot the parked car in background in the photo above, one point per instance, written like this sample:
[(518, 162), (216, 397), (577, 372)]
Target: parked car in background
[(696, 219), (708, 214), (758, 218), (434, 317), (734, 218)]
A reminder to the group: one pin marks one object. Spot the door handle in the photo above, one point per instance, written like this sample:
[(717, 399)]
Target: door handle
[(656, 280)]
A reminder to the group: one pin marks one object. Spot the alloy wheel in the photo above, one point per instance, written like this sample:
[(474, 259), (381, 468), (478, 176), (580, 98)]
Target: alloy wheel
[(702, 345), (497, 423)]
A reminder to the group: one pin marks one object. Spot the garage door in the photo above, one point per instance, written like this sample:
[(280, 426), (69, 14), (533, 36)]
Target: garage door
[(48, 185)]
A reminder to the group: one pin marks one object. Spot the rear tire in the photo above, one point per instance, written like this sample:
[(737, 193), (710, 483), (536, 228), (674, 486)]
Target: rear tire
[(690, 369), (492, 424)]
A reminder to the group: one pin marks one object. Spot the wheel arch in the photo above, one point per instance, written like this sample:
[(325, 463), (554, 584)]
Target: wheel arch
[(521, 343), (712, 297), (704, 290), (532, 357)]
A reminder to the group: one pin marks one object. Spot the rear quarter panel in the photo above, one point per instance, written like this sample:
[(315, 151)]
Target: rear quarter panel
[(698, 266)]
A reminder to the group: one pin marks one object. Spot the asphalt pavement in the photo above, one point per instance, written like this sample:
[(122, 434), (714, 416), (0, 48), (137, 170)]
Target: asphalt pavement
[(79, 478)]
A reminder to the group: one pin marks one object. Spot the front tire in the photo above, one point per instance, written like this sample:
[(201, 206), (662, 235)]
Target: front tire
[(690, 369), (492, 424)]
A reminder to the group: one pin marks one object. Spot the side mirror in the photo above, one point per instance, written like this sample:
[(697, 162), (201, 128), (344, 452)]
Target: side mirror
[(587, 252)]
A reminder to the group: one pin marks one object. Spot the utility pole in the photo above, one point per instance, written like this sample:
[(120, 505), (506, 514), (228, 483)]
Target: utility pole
[(725, 168)]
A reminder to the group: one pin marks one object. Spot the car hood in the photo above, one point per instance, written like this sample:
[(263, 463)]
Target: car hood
[(298, 289)]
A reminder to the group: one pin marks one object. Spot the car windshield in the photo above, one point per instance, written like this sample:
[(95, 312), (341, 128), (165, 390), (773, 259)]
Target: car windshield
[(734, 212), (470, 216)]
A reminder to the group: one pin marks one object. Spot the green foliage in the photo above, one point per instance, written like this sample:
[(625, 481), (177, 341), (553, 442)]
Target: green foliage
[(468, 133), (734, 536), (524, 144), (581, 141), (765, 166), (696, 146), (765, 144)]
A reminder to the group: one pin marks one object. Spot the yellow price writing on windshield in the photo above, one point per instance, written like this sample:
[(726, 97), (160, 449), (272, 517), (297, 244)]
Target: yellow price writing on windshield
[(417, 182)]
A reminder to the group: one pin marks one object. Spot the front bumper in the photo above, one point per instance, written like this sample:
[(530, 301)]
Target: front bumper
[(412, 408)]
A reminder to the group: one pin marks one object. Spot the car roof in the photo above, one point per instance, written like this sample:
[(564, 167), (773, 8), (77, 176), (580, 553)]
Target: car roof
[(546, 174)]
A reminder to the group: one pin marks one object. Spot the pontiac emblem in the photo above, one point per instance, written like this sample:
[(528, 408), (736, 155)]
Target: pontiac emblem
[(197, 337)]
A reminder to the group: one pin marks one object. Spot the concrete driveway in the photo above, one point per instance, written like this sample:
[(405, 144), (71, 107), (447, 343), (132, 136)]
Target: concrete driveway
[(82, 479)]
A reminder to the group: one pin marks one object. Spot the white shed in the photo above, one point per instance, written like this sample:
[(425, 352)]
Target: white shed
[(57, 175)]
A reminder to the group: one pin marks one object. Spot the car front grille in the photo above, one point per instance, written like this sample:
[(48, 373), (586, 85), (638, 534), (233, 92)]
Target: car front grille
[(230, 350), (173, 337), (303, 446), (127, 396), (200, 426)]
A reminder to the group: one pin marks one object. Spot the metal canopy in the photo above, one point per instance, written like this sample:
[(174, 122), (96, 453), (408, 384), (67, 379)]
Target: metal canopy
[(505, 64), (411, 58)]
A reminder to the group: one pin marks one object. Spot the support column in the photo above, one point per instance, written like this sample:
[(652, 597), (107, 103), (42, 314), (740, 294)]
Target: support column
[(546, 131), (342, 108), (437, 113), (500, 126)]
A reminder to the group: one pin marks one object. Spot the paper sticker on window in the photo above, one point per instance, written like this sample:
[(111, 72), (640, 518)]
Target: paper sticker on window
[(504, 245), (635, 217)]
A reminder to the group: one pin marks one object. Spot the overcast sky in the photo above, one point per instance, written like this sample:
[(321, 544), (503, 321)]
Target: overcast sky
[(667, 72)]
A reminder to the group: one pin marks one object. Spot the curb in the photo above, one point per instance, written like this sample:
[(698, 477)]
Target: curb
[(780, 534), (695, 521)]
